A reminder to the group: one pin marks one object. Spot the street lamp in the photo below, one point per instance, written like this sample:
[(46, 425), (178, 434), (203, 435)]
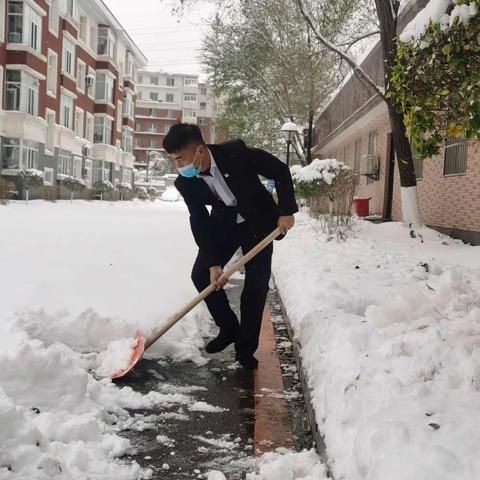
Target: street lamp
[(289, 129)]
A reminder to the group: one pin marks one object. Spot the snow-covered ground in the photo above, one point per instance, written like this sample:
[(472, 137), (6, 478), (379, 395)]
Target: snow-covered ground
[(389, 328), (73, 278)]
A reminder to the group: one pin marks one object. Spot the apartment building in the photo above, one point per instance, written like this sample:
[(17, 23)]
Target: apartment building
[(355, 128), (67, 70), (165, 99)]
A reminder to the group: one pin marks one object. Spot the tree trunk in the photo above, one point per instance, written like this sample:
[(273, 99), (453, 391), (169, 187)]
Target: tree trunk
[(387, 11), (309, 140)]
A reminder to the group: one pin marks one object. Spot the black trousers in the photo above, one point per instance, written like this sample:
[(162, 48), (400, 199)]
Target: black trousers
[(257, 277)]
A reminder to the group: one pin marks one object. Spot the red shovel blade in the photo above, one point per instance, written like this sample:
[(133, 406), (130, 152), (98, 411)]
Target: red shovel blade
[(137, 354)]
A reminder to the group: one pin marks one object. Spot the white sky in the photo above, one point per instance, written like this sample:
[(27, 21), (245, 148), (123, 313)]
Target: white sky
[(169, 42)]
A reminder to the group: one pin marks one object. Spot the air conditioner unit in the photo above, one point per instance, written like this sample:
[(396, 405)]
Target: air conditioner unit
[(370, 166), (90, 80)]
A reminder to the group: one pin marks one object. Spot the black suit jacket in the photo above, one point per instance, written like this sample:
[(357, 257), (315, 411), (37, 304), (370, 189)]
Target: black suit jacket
[(240, 166)]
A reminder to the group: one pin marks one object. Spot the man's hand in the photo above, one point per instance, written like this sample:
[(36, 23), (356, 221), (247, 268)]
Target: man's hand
[(217, 277), (285, 223)]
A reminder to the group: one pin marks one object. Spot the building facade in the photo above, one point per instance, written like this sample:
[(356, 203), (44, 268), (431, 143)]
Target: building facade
[(165, 99), (355, 128), (67, 108)]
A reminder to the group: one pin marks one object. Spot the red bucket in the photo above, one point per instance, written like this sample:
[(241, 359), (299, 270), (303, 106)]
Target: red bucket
[(361, 206)]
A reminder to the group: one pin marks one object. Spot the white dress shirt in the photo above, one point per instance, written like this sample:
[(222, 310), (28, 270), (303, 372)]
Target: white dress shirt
[(219, 187)]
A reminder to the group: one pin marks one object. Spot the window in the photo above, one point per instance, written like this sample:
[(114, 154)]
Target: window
[(106, 43), (166, 128), (97, 171), (104, 87), (24, 25), (89, 127), (119, 116), (154, 80), (170, 114), (154, 96), (91, 86), (152, 128), (1, 87), (203, 106), (64, 162), (81, 74), (139, 95), (50, 139), (140, 79), (202, 121), (107, 171), (152, 143), (66, 111), (47, 176), (190, 98), (128, 64), (190, 81), (93, 38), (188, 112), (21, 92), (102, 130), (152, 112), (19, 155), (137, 142), (53, 17), (372, 149), (52, 65), (127, 140), (77, 167), (127, 175), (2, 22), (71, 8), (82, 32), (79, 118), (455, 162), (203, 91), (357, 160), (128, 105), (68, 63), (170, 82), (170, 97)]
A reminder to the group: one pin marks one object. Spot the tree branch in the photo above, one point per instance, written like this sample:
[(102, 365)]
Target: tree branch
[(357, 70)]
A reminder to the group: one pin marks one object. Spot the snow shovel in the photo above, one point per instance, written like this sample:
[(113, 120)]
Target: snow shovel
[(142, 343)]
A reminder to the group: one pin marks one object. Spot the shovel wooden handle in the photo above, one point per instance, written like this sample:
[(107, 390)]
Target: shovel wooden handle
[(156, 333)]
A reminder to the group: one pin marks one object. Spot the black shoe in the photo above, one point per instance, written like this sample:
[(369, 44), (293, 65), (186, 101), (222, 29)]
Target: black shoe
[(248, 362), (221, 342)]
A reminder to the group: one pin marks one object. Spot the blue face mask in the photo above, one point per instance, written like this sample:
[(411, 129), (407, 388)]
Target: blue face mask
[(188, 171)]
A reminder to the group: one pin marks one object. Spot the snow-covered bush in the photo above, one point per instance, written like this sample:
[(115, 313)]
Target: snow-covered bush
[(102, 187), (141, 193), (152, 193), (436, 80), (327, 185), (124, 188), (73, 184), (30, 178)]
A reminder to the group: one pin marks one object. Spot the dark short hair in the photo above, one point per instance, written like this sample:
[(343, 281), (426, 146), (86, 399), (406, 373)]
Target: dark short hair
[(182, 135)]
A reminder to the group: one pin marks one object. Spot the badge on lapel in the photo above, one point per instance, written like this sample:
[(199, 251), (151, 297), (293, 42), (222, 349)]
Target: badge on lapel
[(226, 174)]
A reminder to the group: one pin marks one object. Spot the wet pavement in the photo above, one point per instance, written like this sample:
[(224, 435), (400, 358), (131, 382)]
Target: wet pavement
[(187, 439)]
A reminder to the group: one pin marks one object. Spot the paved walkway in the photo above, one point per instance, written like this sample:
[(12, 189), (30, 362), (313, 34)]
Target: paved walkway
[(255, 412)]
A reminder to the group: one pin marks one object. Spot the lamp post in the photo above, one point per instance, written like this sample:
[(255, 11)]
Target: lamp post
[(289, 129)]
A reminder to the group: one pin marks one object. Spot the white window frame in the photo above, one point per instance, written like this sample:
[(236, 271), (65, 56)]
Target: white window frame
[(191, 81), (68, 57), (3, 21), (71, 9), (107, 79), (48, 173), (190, 97), (193, 113), (154, 94), (170, 95), (64, 162), (66, 111), (54, 17), (50, 117), (119, 116), (127, 139), (83, 29), (105, 124), (29, 92), (111, 44), (93, 88), (31, 34), (79, 122), (81, 85), (89, 127), (77, 167), (52, 75), (170, 81), (129, 64), (128, 105)]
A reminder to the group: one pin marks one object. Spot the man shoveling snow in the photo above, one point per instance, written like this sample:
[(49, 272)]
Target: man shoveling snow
[(226, 177)]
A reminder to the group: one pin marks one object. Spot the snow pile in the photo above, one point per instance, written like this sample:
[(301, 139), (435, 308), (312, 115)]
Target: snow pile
[(171, 194), (319, 170), (116, 357), (83, 289), (390, 332), (436, 12)]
